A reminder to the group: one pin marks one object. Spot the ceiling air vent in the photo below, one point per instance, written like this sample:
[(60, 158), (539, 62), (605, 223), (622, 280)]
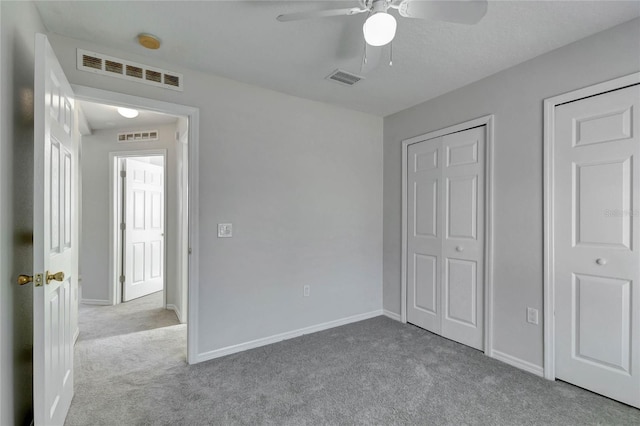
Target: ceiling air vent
[(343, 77), (147, 135), (98, 63)]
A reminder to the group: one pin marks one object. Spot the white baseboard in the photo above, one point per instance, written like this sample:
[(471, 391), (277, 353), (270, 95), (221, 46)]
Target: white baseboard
[(96, 302), (392, 315), (217, 353), (518, 363), (175, 309)]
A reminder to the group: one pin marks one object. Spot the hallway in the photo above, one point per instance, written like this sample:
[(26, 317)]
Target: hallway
[(115, 343)]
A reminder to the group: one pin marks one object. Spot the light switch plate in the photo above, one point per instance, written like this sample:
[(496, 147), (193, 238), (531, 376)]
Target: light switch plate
[(225, 230), (532, 316)]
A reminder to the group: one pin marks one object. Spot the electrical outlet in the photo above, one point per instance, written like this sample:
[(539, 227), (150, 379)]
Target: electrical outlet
[(306, 290), (532, 316)]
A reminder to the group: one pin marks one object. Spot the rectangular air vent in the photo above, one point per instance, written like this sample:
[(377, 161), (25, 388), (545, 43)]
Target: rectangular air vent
[(98, 63), (141, 136), (343, 77)]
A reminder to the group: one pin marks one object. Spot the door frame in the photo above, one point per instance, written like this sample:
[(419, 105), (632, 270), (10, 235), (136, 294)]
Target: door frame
[(550, 105), (116, 246), (488, 122), (86, 93)]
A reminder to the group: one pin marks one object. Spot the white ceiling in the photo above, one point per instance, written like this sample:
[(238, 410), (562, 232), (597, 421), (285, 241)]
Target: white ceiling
[(100, 117), (242, 40)]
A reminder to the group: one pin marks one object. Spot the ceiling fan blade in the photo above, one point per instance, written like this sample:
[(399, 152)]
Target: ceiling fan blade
[(319, 14), (460, 12), (373, 57)]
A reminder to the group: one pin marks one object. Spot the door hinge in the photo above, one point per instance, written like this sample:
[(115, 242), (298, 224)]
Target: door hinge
[(123, 226), (189, 250), (123, 173), (122, 279)]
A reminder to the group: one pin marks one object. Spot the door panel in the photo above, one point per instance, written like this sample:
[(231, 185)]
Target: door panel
[(463, 243), (425, 201), (461, 207), (425, 284), (445, 280), (461, 291), (596, 260), (601, 338), (424, 243), (144, 232), (593, 184), (54, 233)]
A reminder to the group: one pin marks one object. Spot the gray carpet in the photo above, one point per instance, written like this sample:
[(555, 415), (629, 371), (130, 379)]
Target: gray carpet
[(377, 371), (142, 314)]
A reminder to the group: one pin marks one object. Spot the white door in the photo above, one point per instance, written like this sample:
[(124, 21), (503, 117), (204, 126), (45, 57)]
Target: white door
[(445, 271), (55, 256), (424, 228), (596, 253), (144, 229)]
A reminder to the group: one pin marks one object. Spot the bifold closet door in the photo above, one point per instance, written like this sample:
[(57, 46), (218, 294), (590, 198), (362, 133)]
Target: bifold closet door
[(445, 218), (596, 262), (424, 230)]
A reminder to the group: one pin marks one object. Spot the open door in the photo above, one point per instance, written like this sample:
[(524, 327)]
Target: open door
[(55, 258), (144, 229)]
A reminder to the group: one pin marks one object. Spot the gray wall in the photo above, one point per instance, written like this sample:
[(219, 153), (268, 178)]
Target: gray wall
[(516, 97), (301, 181), (94, 253), (19, 23)]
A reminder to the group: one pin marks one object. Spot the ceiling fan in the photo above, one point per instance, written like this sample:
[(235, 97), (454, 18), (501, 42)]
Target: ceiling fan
[(380, 27)]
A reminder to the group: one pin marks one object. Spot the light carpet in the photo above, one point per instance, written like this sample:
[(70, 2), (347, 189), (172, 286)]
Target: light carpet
[(374, 372)]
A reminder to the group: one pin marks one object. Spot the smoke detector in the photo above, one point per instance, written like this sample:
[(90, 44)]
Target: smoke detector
[(149, 41)]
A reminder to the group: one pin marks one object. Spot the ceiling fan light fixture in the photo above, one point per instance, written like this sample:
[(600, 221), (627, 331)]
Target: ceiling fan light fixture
[(128, 112), (379, 29)]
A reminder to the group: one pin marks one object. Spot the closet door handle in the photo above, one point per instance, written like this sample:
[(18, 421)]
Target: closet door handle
[(459, 248), (601, 261)]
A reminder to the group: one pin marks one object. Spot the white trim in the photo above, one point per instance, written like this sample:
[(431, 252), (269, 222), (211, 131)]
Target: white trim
[(392, 315), (549, 183), (489, 122), (76, 335), (115, 205), (217, 353), (174, 308), (518, 363), (193, 114), (96, 302)]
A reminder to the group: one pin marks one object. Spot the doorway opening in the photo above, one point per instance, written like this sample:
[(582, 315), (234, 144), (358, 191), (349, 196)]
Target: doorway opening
[(135, 217)]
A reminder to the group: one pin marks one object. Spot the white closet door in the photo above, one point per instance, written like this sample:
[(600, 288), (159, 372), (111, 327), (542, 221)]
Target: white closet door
[(596, 257), (424, 234), (463, 238), (445, 225)]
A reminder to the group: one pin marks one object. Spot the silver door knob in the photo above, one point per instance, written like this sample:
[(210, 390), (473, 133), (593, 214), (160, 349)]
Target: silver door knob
[(601, 261), (459, 248)]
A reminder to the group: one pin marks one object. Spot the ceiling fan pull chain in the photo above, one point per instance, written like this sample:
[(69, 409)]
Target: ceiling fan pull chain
[(365, 52), (391, 54)]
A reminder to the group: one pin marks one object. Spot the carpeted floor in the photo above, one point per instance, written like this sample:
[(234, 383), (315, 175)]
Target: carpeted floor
[(377, 371)]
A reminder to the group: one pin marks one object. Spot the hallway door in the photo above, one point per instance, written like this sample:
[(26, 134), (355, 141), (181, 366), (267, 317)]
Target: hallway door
[(144, 229), (55, 257)]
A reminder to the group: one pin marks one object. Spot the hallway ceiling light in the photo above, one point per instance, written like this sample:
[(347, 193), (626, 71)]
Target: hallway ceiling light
[(128, 112)]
